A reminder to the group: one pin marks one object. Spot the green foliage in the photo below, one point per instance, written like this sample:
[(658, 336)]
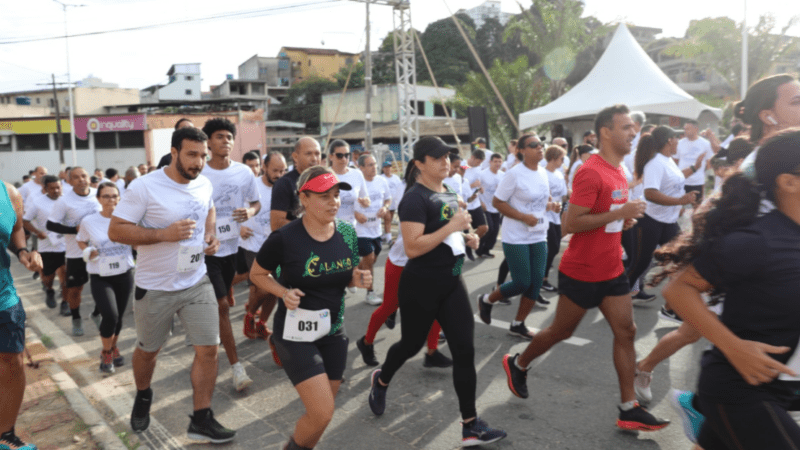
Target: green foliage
[(303, 101), (449, 56)]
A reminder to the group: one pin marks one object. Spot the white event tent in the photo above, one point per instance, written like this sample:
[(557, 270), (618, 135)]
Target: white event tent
[(624, 74)]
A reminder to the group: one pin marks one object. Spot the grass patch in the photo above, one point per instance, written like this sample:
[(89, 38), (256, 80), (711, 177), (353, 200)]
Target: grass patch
[(125, 437), (47, 341), (79, 427)]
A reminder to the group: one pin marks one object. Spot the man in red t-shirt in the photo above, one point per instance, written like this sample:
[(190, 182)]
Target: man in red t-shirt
[(591, 274)]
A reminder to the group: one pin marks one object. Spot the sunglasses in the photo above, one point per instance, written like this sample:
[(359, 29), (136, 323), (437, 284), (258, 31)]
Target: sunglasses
[(109, 197), (534, 145), (342, 155)]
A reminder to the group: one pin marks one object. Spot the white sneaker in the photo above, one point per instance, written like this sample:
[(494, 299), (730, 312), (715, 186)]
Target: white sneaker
[(352, 289), (240, 378), (373, 299), (641, 384)]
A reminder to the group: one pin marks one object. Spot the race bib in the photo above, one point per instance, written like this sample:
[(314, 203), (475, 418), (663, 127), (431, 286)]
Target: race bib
[(112, 265), (794, 364), (302, 325), (456, 242), (615, 226), (190, 257), (227, 228), (55, 239), (540, 226)]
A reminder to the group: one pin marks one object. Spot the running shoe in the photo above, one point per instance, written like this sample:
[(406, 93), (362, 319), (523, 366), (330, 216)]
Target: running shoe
[(373, 299), (517, 378), (638, 418), (367, 352), (119, 360), (641, 384), (97, 319), (275, 356), (35, 275), (691, 418), (77, 327), (107, 361), (50, 298), (140, 416), (240, 378), (478, 433), (437, 359), (65, 309), (521, 331), (485, 308), (249, 329), (377, 394), (391, 321), (487, 255), (642, 298), (10, 441), (352, 289), (442, 338), (546, 286), (666, 314), (542, 301), (262, 331), (209, 430)]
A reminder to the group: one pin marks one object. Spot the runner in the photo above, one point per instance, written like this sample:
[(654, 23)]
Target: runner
[(170, 216), (65, 219), (368, 219), (234, 186), (431, 287), (111, 268), (51, 245), (12, 316), (597, 214), (394, 184), (317, 256), (252, 160), (523, 197), (748, 378), (554, 155), (255, 233), (470, 192), (490, 179)]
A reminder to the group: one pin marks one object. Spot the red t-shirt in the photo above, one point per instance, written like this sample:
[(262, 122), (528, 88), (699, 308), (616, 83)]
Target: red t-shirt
[(596, 255)]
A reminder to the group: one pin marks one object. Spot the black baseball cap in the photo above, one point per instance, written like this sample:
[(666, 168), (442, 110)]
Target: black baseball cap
[(431, 146)]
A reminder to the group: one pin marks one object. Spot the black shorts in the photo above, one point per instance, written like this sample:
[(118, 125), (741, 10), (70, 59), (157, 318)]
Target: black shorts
[(244, 260), (52, 261), (367, 246), (221, 270), (77, 275), (478, 217), (12, 329), (590, 295), (699, 189), (304, 360)]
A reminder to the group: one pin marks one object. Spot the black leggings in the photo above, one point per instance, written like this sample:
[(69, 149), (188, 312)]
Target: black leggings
[(502, 272), (489, 239), (650, 233), (423, 300), (553, 246), (750, 426), (111, 295), (629, 244)]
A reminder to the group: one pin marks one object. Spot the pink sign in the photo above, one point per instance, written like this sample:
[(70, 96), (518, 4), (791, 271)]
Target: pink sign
[(102, 124)]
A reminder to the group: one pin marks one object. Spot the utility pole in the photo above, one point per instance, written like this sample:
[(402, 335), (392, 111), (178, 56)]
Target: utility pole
[(58, 126), (69, 86), (368, 92)]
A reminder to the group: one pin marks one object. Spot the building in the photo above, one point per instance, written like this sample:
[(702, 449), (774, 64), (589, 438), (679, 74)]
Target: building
[(252, 91), (283, 135), (277, 72), (316, 62), (385, 104), (91, 95), (489, 9), (183, 84)]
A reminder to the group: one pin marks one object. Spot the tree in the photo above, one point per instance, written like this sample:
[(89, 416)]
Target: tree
[(447, 52), (382, 67), (303, 101)]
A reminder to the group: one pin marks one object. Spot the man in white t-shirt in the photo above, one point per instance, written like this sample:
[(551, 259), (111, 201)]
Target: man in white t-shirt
[(472, 183), (638, 118), (170, 216), (33, 188), (51, 245), (454, 180), (480, 144), (689, 149), (234, 186), (368, 218), (253, 234), (490, 178), (394, 182)]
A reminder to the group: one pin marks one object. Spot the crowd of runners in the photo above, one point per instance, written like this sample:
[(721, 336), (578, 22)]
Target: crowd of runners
[(304, 233)]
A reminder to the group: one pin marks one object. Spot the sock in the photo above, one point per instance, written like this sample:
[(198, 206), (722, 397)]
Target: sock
[(96, 311), (201, 415), (238, 364), (76, 313), (145, 394), (468, 425), (516, 364), (514, 323), (51, 291), (627, 406)]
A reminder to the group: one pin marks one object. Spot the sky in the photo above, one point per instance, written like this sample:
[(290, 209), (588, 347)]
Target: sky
[(222, 35)]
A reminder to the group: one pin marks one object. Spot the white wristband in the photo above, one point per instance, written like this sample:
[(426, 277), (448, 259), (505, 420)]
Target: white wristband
[(87, 254)]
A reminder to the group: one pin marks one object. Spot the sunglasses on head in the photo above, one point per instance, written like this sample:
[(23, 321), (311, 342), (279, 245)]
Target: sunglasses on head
[(342, 155)]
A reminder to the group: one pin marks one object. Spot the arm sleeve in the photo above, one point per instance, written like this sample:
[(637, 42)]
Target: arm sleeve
[(56, 227), (653, 172), (133, 204), (271, 253), (412, 209), (506, 187), (722, 264), (281, 196), (585, 188)]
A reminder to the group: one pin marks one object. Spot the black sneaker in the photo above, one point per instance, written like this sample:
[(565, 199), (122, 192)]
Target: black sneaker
[(367, 352), (209, 430), (140, 416), (437, 359), (9, 440), (479, 433), (517, 378), (546, 286), (542, 301), (521, 331), (485, 309), (377, 394), (50, 298), (65, 309), (667, 314), (35, 275), (391, 321), (642, 298), (640, 419)]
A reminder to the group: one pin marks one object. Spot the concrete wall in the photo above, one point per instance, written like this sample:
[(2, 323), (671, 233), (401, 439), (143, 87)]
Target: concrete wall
[(14, 110), (88, 100)]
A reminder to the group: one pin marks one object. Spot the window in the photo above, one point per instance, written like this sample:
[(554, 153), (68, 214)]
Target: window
[(31, 142), (131, 139), (38, 101), (105, 140), (309, 62), (80, 144), (189, 78), (51, 103), (188, 92), (5, 143)]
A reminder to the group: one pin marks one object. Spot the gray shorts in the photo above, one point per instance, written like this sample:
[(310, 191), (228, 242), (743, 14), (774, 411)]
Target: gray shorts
[(196, 307)]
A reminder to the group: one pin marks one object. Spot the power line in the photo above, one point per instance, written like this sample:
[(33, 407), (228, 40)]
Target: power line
[(241, 14)]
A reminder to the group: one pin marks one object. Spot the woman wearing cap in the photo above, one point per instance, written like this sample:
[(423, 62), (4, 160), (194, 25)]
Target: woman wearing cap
[(747, 379), (318, 256), (431, 287)]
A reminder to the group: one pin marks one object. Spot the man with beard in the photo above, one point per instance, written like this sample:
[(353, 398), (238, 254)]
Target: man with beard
[(51, 245)]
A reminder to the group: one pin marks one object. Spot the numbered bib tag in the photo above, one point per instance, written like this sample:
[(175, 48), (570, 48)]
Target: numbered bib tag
[(227, 228), (190, 257), (55, 239), (112, 265), (302, 325), (615, 226), (540, 226), (456, 242), (794, 364)]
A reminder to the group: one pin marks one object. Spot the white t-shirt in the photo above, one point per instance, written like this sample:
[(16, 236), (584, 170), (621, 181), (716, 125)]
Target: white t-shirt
[(65, 187), (115, 258), (487, 158), (455, 182), (558, 189), (572, 172), (630, 159), (397, 254), (120, 185), (379, 193), (233, 187), (393, 182), (69, 210), (356, 180), (470, 176), (511, 161), (637, 193), (662, 174), (688, 152), (157, 202), (260, 223), (37, 213), (489, 182), (528, 192), (26, 189)]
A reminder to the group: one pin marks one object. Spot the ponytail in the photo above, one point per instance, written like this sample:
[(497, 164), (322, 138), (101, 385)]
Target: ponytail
[(410, 177), (649, 145)]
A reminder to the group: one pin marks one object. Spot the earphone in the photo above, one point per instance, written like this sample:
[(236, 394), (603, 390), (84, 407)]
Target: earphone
[(772, 120)]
